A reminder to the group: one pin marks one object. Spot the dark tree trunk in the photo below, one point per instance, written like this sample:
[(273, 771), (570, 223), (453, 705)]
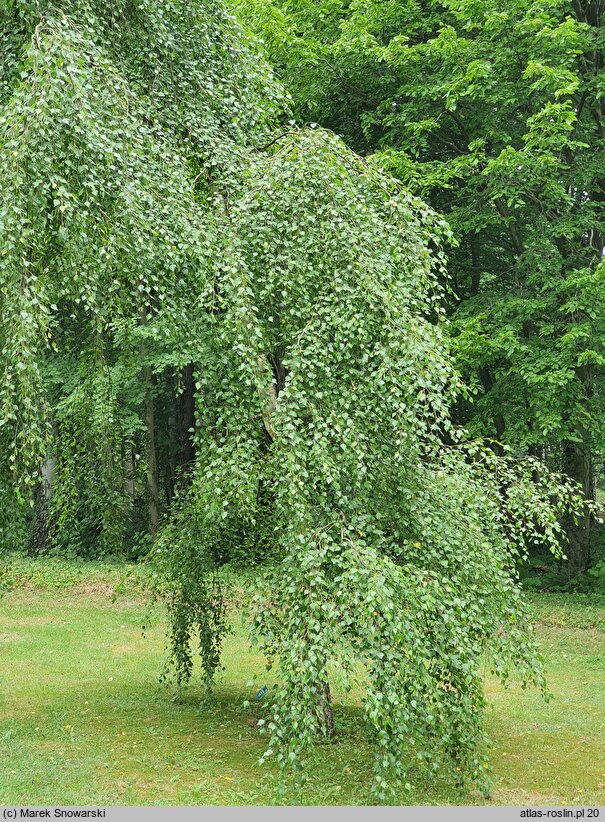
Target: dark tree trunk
[(152, 455), (152, 460), (499, 424), (187, 419), (172, 447), (475, 267), (578, 466), (40, 531)]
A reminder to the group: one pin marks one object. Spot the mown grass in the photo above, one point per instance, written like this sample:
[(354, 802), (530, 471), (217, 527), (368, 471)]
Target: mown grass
[(83, 719)]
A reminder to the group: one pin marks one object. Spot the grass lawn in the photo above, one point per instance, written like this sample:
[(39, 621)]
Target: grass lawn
[(83, 719)]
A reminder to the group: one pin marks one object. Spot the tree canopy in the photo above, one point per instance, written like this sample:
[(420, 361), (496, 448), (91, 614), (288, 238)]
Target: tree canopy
[(115, 144), (493, 113)]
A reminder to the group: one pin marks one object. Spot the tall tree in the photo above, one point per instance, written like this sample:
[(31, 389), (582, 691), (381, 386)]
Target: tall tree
[(494, 113), (390, 544), (114, 146), (150, 222)]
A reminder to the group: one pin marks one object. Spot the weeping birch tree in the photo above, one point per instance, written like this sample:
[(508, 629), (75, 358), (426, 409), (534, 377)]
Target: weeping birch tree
[(122, 126), (155, 223)]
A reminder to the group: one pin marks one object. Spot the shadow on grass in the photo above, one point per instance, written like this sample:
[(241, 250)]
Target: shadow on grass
[(83, 720)]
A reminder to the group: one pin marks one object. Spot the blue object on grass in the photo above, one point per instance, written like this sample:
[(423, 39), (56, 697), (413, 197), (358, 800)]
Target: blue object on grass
[(262, 692)]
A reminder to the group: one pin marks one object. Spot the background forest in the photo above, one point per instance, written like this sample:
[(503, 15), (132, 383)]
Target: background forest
[(492, 113)]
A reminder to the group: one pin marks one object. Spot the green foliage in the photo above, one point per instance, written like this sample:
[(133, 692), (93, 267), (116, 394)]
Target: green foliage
[(151, 224), (493, 113), (185, 578), (393, 551), (115, 145), (60, 575), (13, 526), (597, 577)]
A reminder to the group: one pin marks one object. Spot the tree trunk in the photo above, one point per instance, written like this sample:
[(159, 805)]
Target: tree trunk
[(327, 727), (41, 527), (172, 449), (128, 471), (475, 267), (152, 461), (578, 466), (152, 456), (577, 457), (498, 420), (187, 419)]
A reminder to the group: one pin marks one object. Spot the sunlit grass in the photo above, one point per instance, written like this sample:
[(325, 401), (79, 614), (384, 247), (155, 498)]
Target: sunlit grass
[(83, 719)]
